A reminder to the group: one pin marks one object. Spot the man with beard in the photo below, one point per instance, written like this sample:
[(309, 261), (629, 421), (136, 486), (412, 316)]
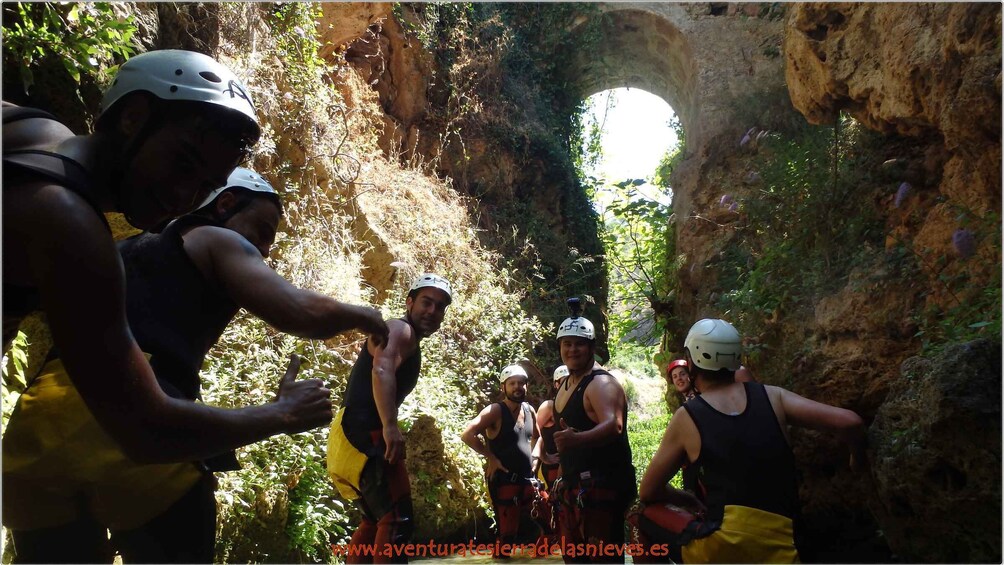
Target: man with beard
[(366, 449), (597, 477), (510, 431)]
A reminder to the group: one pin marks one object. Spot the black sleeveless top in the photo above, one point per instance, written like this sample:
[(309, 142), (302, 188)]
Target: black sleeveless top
[(547, 436), (611, 461), (361, 416), (22, 166), (175, 314), (745, 459), (512, 444)]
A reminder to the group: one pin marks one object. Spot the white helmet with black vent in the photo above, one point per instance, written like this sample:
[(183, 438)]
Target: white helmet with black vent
[(174, 74), (244, 179), (512, 371), (714, 345), (435, 281), (561, 372)]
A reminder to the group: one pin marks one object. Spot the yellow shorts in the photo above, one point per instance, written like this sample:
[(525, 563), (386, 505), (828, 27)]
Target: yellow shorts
[(58, 463), (345, 462), (747, 535)]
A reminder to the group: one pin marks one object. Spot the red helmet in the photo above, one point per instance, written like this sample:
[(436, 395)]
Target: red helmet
[(675, 364)]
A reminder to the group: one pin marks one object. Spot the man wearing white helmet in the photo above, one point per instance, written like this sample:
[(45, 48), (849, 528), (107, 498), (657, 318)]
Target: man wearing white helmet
[(185, 286), (597, 477), (510, 434), (366, 449), (735, 435), (172, 128)]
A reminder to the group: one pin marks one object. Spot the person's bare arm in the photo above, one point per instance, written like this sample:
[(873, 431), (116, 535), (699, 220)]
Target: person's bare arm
[(79, 274), (224, 256), (848, 426), (488, 419), (536, 443), (545, 418), (604, 397), (387, 358), (667, 461)]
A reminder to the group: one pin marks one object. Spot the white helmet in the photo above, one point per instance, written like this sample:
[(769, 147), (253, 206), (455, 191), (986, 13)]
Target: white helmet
[(173, 74), (714, 345), (435, 281), (245, 179), (578, 326), (561, 372), (512, 371)]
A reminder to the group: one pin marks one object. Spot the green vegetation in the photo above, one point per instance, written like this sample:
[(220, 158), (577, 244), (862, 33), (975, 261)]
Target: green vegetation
[(499, 78), (86, 38), (645, 436), (808, 221), (964, 309)]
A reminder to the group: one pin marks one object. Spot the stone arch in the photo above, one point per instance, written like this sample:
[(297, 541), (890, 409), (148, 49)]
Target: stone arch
[(641, 49)]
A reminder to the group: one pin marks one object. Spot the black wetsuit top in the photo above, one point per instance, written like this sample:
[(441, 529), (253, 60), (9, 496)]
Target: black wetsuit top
[(547, 436), (610, 462), (745, 459), (512, 444), (22, 166), (175, 314), (361, 416)]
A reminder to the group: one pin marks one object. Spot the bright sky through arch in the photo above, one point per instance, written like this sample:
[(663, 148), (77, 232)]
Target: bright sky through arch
[(636, 134)]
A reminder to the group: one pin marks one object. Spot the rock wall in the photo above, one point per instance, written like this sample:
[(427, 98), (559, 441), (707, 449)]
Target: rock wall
[(928, 73), (937, 457)]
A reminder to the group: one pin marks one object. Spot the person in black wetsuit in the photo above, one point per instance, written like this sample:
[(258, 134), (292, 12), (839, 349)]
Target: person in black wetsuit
[(546, 463), (185, 286), (366, 450), (174, 124), (597, 477), (510, 431), (545, 453), (734, 435)]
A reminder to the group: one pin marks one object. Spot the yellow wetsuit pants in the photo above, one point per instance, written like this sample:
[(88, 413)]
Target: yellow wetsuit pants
[(59, 463)]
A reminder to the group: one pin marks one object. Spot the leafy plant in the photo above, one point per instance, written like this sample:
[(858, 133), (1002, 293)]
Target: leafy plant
[(86, 38), (807, 222)]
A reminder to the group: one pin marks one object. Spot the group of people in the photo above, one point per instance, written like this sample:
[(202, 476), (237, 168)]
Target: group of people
[(576, 442), (730, 440), (109, 448)]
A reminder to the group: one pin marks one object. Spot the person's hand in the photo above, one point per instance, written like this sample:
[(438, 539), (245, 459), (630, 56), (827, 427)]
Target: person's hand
[(394, 440), (493, 464), (687, 500), (369, 320), (565, 438), (305, 404)]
